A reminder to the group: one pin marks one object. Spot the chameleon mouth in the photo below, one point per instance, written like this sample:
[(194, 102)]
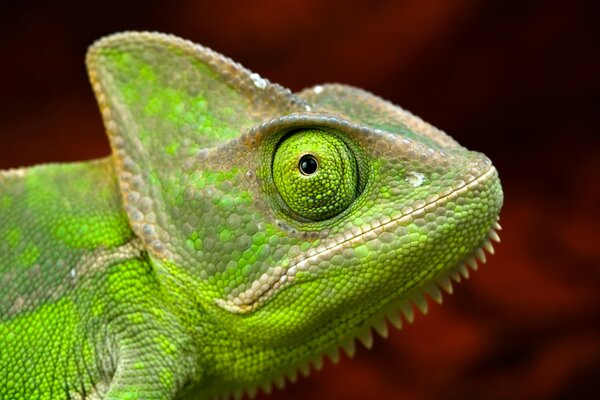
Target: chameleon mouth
[(404, 308), (267, 285), (396, 313)]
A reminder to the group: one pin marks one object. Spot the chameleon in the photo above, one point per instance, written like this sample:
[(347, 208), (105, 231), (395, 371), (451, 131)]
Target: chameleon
[(237, 234)]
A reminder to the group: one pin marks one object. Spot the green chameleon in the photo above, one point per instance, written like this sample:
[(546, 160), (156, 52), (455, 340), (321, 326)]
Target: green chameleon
[(236, 235)]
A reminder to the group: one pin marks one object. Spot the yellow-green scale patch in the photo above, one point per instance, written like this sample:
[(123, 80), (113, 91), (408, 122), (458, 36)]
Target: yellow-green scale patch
[(145, 87), (43, 353), (59, 219)]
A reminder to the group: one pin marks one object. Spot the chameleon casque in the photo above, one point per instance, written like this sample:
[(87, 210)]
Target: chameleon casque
[(236, 235)]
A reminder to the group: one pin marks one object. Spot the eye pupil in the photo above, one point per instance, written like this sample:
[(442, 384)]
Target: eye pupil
[(308, 164)]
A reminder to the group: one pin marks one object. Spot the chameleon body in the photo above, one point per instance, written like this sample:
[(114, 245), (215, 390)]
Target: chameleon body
[(236, 235)]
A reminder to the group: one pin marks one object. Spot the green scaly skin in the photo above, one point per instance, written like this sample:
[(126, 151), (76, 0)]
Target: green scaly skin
[(237, 233)]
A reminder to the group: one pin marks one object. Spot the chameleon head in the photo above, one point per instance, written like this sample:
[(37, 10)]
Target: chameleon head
[(299, 220), (353, 220)]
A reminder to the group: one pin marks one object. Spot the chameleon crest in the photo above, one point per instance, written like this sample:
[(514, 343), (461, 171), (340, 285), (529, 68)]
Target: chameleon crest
[(237, 233)]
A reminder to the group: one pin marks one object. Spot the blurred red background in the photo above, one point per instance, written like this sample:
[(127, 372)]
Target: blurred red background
[(519, 81)]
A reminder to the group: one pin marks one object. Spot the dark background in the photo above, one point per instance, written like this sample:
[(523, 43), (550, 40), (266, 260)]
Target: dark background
[(517, 80)]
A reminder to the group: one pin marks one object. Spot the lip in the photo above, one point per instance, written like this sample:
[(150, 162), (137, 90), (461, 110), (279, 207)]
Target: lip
[(266, 286)]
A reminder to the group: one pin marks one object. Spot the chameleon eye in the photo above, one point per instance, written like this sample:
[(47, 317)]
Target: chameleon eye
[(316, 174)]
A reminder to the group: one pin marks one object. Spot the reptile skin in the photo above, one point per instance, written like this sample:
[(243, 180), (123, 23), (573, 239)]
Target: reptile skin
[(237, 233)]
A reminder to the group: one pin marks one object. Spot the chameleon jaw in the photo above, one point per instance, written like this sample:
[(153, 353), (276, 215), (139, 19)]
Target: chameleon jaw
[(267, 285), (394, 314)]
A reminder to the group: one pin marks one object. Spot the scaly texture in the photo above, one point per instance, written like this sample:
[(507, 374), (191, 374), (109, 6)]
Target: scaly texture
[(237, 234)]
